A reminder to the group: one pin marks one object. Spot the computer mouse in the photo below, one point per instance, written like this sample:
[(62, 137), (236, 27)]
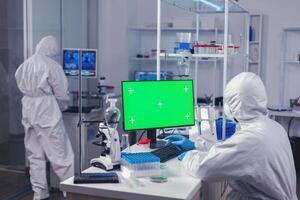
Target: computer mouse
[(102, 163), (99, 165)]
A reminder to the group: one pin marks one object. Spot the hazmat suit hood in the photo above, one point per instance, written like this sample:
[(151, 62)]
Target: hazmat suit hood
[(48, 46), (245, 97)]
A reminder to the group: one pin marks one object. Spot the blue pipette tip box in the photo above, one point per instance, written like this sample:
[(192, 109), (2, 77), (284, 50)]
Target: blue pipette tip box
[(140, 158)]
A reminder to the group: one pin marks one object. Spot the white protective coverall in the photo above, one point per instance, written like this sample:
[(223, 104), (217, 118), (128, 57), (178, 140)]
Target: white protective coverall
[(44, 86), (257, 160)]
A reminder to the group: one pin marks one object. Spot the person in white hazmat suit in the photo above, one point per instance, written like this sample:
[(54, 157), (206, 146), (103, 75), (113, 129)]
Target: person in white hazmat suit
[(44, 87), (257, 160)]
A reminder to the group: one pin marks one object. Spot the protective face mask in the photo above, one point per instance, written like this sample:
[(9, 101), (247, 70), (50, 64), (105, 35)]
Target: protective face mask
[(227, 112)]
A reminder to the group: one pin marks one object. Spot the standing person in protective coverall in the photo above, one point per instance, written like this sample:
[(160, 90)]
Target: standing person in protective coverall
[(44, 86), (257, 160)]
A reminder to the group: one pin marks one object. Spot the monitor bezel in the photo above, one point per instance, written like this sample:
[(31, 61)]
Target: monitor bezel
[(123, 113), (63, 51), (80, 53), (96, 62)]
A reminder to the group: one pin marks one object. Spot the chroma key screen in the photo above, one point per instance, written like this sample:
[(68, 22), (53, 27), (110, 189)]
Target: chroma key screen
[(158, 104)]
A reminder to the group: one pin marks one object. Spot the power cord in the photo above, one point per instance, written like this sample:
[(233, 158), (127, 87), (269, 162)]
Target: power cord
[(289, 126), (142, 134), (223, 189)]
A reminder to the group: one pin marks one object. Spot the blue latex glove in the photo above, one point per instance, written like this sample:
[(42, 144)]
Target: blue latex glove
[(181, 142), (181, 156)]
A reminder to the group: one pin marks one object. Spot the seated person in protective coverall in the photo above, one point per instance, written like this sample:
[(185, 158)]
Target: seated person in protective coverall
[(257, 160), (44, 86)]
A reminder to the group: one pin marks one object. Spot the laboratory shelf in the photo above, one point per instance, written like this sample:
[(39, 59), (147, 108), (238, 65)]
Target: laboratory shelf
[(292, 62), (176, 29), (254, 42), (175, 55), (291, 29), (207, 6), (172, 59), (194, 55), (284, 113)]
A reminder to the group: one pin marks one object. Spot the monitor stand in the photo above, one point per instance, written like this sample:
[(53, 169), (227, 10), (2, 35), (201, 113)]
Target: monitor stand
[(154, 144)]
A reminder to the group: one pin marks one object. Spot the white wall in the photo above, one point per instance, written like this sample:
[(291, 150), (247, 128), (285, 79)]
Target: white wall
[(113, 40), (45, 20), (278, 14)]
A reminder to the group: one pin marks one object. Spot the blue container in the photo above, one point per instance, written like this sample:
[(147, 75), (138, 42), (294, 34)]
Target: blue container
[(184, 46), (140, 158), (230, 128), (148, 76)]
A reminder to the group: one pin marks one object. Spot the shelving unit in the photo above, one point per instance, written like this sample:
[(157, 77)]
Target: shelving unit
[(200, 7), (169, 63), (176, 29), (292, 62), (170, 59), (168, 33), (255, 52), (290, 57)]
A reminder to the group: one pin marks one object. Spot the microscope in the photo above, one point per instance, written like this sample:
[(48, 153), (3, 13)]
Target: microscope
[(111, 156)]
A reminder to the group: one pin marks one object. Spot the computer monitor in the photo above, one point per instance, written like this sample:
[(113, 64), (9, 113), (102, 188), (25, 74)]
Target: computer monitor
[(71, 62), (149, 105), (89, 62)]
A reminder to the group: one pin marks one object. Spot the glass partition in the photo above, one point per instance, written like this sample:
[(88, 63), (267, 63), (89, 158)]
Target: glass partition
[(11, 56)]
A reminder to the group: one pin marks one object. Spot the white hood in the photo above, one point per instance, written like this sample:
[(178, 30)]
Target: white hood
[(47, 46), (246, 97)]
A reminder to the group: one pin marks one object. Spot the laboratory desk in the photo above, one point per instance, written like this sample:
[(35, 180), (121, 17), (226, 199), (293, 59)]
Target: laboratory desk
[(179, 186), (274, 114)]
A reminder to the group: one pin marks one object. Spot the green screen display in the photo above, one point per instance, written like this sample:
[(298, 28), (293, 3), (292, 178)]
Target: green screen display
[(158, 104)]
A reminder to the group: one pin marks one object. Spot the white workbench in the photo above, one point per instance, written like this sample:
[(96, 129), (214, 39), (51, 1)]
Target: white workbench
[(284, 113), (179, 186)]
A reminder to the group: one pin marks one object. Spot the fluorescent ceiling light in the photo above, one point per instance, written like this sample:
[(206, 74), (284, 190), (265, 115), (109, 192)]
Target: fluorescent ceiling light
[(207, 2)]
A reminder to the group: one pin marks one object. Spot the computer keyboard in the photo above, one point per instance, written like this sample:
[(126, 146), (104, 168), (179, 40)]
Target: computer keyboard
[(167, 152), (164, 135), (97, 178)]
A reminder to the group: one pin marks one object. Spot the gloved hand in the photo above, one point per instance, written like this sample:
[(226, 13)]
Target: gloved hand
[(181, 156), (180, 141)]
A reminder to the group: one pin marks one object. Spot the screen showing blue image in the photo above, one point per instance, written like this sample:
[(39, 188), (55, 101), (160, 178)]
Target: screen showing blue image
[(88, 63), (71, 62)]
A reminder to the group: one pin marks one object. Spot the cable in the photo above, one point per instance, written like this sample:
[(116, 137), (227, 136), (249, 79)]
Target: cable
[(289, 126), (141, 136), (224, 187), (173, 131)]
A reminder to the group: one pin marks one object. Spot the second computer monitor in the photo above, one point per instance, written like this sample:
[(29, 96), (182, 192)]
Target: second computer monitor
[(72, 62), (158, 104), (89, 62)]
